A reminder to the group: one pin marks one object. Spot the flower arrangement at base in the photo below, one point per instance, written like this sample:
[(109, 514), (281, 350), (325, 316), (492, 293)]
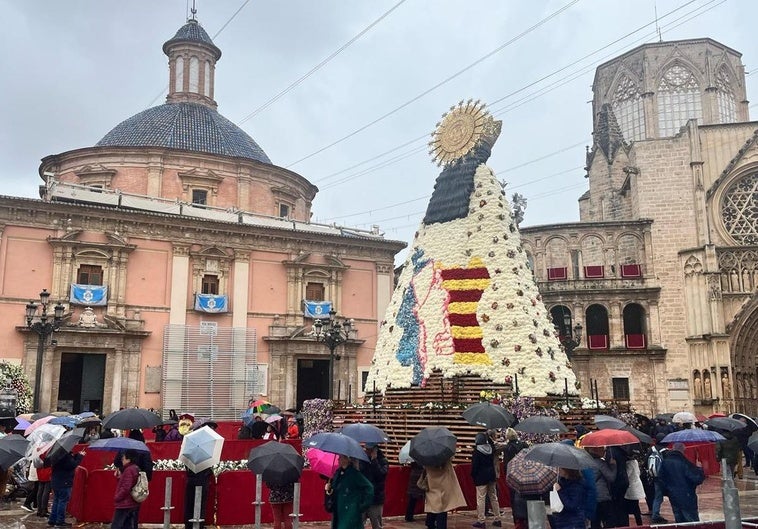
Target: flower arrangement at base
[(317, 416), (15, 378)]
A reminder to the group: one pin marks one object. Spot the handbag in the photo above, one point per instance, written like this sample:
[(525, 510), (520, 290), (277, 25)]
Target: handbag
[(329, 499), (556, 505)]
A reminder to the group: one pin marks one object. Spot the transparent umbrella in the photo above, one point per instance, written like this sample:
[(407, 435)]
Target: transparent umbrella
[(201, 449)]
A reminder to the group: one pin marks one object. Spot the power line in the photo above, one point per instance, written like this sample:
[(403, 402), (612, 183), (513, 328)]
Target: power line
[(223, 27), (313, 70), (441, 83), (524, 100)]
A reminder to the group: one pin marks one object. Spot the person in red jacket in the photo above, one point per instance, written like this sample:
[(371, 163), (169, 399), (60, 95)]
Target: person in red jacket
[(124, 516)]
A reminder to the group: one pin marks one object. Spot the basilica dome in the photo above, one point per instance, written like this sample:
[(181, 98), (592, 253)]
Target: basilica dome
[(186, 126)]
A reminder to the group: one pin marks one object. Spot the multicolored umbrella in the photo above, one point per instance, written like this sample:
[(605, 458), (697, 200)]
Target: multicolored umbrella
[(609, 438), (527, 476)]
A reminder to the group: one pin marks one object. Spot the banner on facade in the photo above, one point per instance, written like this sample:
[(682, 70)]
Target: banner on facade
[(90, 295), (210, 303), (317, 310)]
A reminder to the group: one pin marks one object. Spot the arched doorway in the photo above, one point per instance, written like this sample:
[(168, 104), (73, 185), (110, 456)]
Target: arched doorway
[(743, 350)]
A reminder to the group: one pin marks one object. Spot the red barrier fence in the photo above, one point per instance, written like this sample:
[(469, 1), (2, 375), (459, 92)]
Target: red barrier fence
[(231, 496)]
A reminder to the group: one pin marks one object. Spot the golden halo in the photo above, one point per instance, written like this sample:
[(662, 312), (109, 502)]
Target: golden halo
[(458, 132)]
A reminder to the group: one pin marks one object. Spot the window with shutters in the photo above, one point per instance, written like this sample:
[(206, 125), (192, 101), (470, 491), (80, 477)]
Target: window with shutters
[(210, 284), (314, 292), (621, 388), (89, 275)]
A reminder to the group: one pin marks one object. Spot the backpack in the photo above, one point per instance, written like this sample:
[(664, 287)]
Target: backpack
[(140, 490), (654, 461)]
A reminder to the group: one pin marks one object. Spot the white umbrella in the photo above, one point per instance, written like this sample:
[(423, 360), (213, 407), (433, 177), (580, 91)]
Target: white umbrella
[(405, 454), (201, 449), (684, 417)]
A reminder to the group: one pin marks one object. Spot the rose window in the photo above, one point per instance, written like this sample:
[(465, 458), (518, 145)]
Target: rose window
[(739, 210)]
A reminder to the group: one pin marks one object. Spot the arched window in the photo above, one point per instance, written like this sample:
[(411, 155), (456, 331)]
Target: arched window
[(194, 75), (179, 77), (628, 108), (725, 97), (634, 326), (597, 327), (207, 83), (562, 321), (679, 100)]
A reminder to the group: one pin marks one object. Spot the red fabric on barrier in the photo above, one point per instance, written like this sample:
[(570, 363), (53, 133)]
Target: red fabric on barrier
[(232, 496), (706, 454)]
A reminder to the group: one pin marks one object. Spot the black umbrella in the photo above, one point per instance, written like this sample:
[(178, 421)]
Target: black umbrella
[(560, 455), (337, 443), (643, 437), (365, 433), (433, 446), (14, 443), (488, 415), (752, 442), (131, 418), (541, 424), (725, 423), (279, 463), (751, 424), (37, 416), (665, 416), (61, 447), (607, 422)]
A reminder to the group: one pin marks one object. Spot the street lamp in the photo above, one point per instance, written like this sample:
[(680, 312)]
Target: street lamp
[(44, 324), (332, 332), (571, 341)]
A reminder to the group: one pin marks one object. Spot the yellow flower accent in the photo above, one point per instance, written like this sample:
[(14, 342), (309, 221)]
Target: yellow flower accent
[(466, 284), (472, 358), (463, 307), (465, 332)]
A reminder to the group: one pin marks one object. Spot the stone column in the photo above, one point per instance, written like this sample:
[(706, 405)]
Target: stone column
[(238, 297)]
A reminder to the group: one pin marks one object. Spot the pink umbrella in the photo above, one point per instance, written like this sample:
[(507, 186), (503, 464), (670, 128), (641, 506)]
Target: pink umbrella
[(325, 463), (39, 422)]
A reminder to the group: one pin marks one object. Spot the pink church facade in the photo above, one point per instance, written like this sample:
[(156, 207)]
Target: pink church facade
[(184, 259)]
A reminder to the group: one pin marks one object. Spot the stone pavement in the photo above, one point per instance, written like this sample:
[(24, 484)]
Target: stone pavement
[(709, 494)]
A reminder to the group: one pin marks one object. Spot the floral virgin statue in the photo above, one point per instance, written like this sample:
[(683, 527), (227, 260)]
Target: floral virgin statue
[(466, 301)]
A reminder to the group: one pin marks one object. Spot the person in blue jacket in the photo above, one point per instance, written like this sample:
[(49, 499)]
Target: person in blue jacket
[(571, 490), (62, 482), (680, 479)]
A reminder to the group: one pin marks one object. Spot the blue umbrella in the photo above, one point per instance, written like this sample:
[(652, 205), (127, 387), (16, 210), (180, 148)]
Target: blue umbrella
[(119, 443), (693, 435), (364, 433), (69, 421), (337, 443), (249, 416)]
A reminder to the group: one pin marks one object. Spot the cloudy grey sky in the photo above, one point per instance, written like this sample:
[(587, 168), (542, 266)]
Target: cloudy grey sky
[(75, 69)]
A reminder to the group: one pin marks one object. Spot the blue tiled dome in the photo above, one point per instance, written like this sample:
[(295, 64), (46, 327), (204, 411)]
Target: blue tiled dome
[(192, 32), (187, 126)]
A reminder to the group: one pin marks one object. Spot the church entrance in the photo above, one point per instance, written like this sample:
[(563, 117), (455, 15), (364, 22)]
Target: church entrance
[(312, 380), (743, 385), (82, 377)]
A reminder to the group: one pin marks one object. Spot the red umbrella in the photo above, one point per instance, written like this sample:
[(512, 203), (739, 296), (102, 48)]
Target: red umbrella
[(609, 438)]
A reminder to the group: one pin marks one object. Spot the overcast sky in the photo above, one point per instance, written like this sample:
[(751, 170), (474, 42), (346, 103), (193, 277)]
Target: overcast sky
[(75, 69)]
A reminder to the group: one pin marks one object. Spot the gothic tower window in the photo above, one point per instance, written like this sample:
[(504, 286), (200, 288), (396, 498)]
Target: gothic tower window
[(725, 97), (679, 100), (628, 108)]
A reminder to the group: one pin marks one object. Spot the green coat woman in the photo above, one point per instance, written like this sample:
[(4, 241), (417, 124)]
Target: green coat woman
[(352, 493)]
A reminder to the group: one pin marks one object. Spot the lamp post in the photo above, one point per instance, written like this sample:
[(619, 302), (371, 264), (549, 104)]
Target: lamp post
[(332, 332), (44, 324), (573, 340)]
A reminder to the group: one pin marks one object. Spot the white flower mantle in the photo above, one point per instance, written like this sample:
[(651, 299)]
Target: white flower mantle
[(517, 334)]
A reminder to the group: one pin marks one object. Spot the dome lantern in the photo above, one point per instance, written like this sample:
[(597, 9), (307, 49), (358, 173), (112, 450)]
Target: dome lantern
[(192, 60)]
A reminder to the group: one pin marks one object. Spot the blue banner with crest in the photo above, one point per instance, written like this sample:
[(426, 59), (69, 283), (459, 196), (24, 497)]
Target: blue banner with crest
[(317, 309), (210, 303), (90, 295)]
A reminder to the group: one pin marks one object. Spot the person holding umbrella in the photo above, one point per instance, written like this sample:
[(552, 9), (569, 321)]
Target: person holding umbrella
[(126, 509), (62, 481), (442, 494), (571, 491), (483, 461), (280, 467), (680, 479), (352, 494), (376, 472)]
